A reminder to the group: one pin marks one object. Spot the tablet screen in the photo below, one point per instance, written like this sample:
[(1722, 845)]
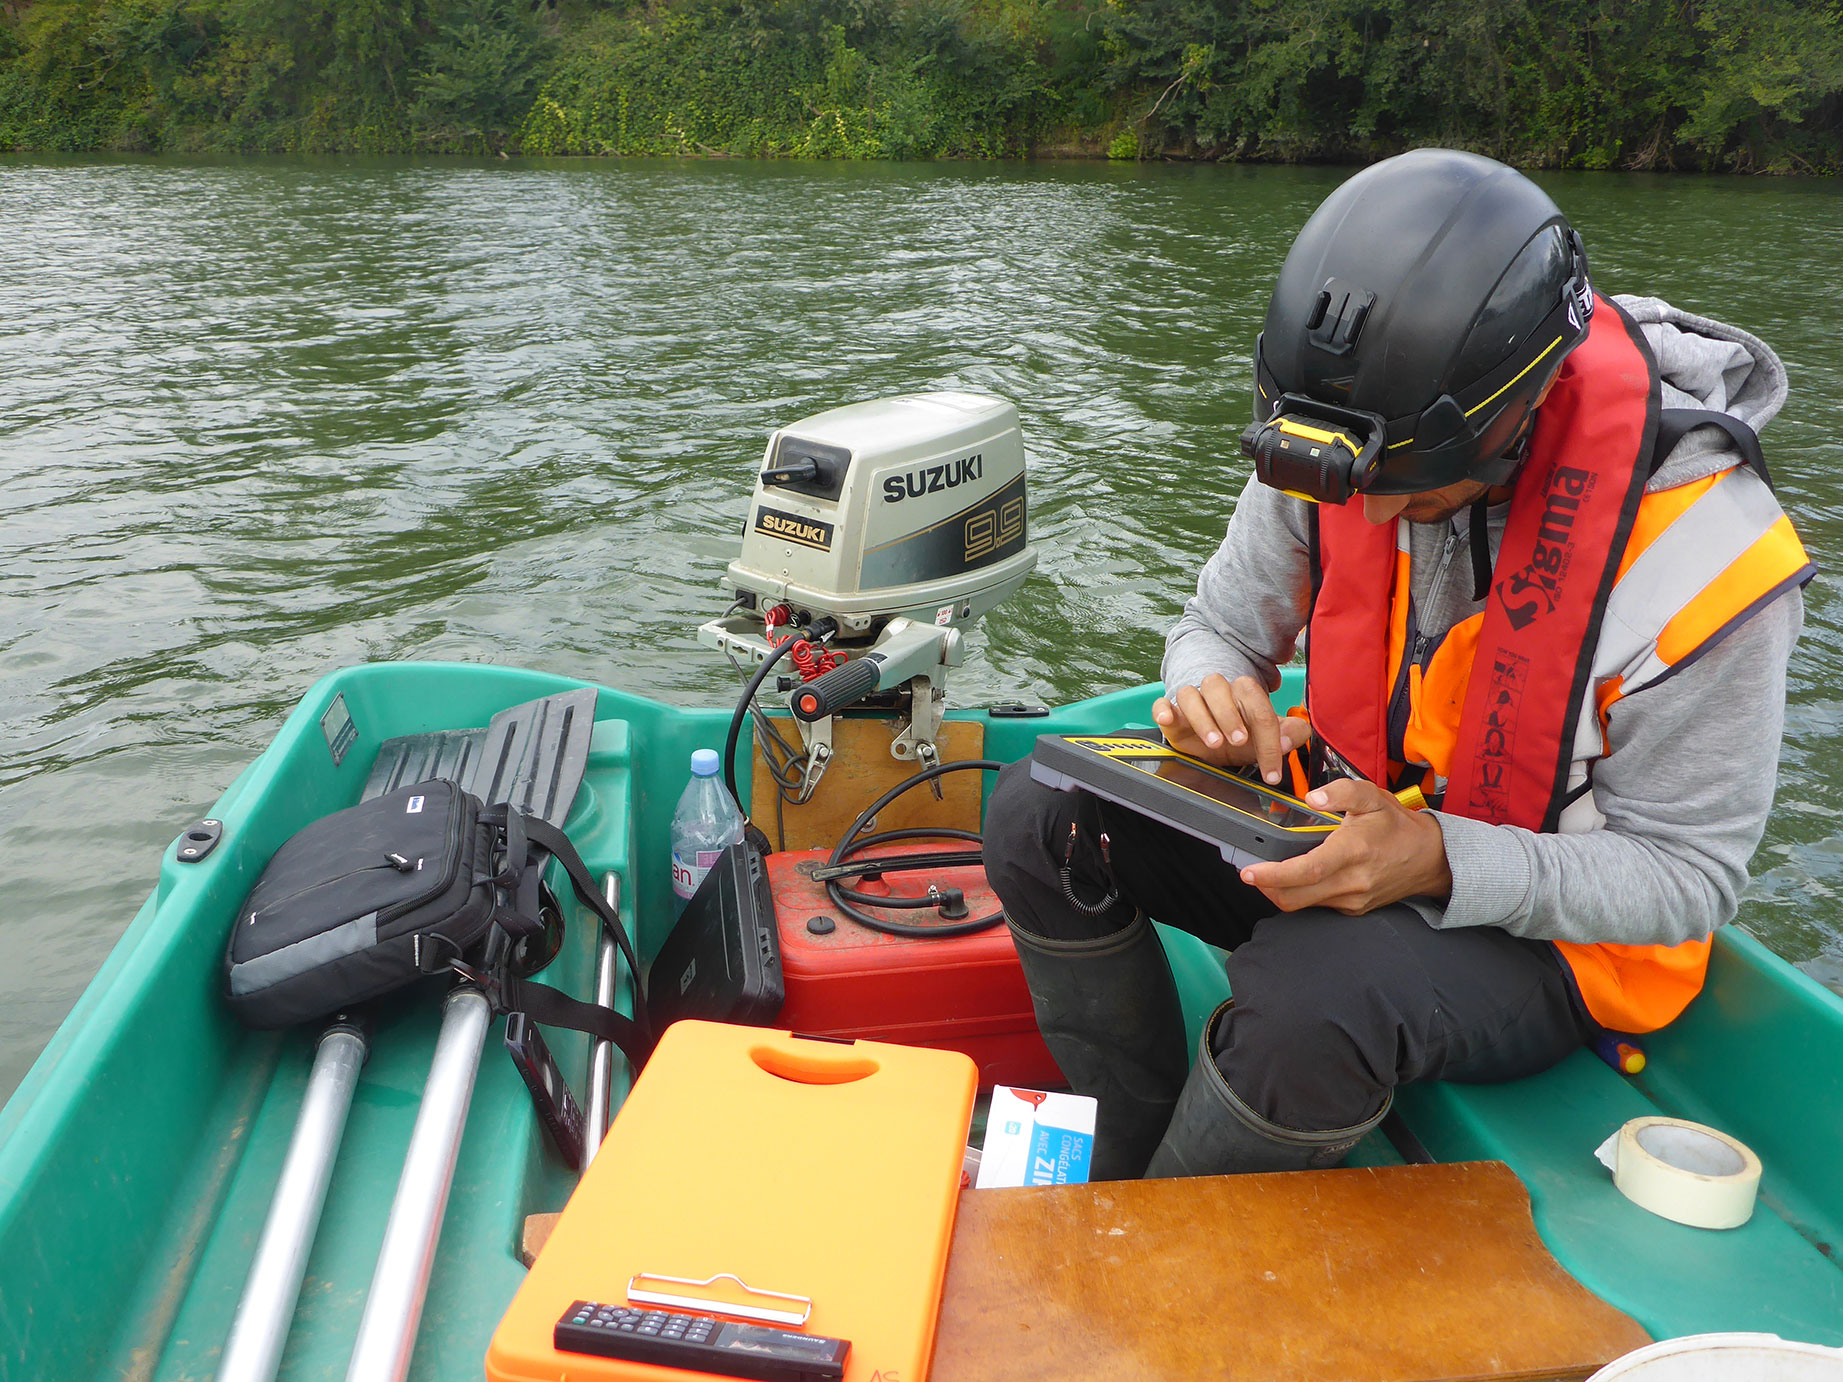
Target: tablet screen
[(1227, 790)]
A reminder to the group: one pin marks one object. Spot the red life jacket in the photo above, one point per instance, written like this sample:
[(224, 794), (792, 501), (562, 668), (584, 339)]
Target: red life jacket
[(1504, 712)]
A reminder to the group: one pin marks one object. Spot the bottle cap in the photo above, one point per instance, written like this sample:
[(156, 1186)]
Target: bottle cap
[(704, 762)]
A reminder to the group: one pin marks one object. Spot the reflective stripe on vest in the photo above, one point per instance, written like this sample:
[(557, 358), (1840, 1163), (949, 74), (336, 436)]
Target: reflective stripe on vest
[(1693, 564)]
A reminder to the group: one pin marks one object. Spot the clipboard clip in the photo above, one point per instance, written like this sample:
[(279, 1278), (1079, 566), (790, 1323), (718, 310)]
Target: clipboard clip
[(638, 1296)]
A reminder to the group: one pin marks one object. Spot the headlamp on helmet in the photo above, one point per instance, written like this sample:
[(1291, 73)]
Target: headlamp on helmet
[(1315, 451)]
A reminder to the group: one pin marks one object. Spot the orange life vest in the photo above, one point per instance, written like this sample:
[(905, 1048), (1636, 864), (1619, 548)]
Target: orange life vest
[(1678, 569)]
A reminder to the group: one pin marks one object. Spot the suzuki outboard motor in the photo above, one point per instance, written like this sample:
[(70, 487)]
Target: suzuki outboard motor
[(896, 522)]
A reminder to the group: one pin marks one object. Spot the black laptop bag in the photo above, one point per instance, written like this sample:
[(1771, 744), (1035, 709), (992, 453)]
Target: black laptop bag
[(346, 904), (406, 886)]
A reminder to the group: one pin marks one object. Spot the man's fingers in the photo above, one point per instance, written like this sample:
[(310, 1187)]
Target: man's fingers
[(1179, 736), (1305, 880), (1256, 709), (1232, 722), (1301, 871), (1192, 714), (1295, 733), (1380, 853), (1220, 697), (1351, 797), (1200, 715)]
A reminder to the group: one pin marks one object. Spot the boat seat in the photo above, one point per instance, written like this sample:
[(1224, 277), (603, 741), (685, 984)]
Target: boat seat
[(1372, 1274), (1671, 1278), (1546, 1129), (1714, 1065)]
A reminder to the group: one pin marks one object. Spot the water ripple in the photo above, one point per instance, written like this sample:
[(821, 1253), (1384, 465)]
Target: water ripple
[(260, 419)]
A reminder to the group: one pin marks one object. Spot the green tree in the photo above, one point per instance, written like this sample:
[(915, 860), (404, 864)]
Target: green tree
[(1735, 84), (1772, 65), (477, 71)]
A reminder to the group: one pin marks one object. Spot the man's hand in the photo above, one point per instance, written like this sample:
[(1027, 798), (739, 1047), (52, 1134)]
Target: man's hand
[(1382, 853), (1230, 724)]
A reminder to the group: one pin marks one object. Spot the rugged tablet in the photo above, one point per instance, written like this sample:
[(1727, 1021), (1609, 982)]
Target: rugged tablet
[(1247, 821)]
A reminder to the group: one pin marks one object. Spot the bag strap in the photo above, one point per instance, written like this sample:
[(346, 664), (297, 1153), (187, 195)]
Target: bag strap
[(554, 1008), (541, 1002), (565, 853), (1673, 424)]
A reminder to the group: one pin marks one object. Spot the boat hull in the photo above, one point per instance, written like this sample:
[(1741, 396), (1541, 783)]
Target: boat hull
[(138, 1156)]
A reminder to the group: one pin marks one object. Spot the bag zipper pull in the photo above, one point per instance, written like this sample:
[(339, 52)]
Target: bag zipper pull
[(400, 864)]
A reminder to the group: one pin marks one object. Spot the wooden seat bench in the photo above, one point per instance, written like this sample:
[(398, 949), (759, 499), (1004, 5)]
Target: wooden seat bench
[(1372, 1274)]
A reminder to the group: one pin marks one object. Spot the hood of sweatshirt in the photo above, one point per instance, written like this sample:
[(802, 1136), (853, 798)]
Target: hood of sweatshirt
[(1707, 364)]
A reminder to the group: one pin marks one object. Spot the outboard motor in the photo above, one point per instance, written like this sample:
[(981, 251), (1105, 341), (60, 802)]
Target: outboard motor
[(878, 532)]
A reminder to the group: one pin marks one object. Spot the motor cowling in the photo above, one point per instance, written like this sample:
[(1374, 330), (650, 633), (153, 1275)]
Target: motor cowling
[(911, 506)]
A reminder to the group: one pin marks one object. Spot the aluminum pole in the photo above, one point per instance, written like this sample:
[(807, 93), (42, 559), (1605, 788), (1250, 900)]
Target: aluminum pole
[(393, 1310), (260, 1329), (600, 1093)]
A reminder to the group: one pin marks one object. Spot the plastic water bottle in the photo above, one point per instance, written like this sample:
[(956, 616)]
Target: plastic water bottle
[(706, 823)]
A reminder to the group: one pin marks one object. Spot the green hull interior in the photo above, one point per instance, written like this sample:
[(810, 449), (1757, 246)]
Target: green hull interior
[(138, 1156)]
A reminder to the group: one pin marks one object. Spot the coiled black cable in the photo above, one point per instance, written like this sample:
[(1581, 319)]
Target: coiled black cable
[(1090, 909), (843, 898)]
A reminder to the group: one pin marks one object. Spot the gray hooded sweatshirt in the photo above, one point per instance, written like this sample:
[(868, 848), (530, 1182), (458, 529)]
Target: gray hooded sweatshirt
[(1687, 786)]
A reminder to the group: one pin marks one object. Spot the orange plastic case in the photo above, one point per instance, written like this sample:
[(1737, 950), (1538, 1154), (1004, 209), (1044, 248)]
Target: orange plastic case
[(817, 1168), (961, 993)]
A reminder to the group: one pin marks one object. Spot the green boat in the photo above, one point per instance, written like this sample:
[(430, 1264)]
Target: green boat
[(140, 1156)]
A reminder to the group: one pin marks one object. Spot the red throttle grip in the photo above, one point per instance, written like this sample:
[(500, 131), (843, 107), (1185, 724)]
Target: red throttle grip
[(832, 691)]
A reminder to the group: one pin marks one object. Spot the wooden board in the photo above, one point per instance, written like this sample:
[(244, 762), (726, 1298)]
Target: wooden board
[(535, 1235), (861, 771), (1377, 1274)]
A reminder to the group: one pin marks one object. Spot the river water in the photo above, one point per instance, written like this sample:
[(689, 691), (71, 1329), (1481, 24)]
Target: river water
[(261, 419)]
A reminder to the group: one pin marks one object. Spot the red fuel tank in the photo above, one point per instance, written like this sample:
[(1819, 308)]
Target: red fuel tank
[(958, 993)]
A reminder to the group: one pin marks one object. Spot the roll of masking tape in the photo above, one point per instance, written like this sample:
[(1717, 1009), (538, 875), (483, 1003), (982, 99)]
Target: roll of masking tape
[(1683, 1171)]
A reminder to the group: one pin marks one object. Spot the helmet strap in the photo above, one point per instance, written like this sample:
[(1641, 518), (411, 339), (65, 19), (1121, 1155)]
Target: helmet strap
[(1481, 549)]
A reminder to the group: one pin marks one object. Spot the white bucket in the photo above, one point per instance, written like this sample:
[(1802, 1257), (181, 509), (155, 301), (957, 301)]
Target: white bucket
[(1726, 1358)]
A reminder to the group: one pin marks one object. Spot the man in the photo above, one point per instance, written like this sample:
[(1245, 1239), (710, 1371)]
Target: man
[(1545, 581)]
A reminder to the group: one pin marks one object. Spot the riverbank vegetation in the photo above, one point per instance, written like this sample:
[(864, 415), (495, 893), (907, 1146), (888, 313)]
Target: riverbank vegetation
[(1740, 85)]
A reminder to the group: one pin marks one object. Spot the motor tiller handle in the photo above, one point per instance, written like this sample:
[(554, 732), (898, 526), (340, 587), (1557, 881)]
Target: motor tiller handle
[(832, 691)]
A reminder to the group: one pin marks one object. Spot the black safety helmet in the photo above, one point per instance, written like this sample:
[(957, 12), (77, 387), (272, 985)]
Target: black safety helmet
[(1418, 317)]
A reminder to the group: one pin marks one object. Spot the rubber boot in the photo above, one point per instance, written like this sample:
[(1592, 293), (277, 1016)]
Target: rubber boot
[(1108, 1011), (1213, 1133)]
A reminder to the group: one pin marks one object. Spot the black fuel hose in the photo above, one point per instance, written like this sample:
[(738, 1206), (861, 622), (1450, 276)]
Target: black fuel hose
[(818, 631), (898, 863), (781, 650), (852, 843)]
